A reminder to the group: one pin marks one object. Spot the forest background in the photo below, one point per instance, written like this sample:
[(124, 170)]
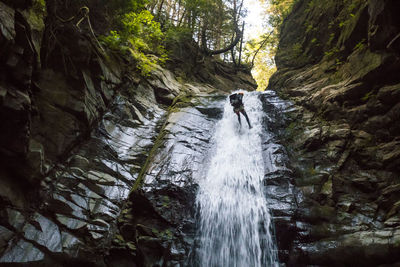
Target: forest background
[(145, 30)]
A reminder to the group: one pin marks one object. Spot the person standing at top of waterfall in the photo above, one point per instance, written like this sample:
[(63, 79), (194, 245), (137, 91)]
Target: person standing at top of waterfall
[(238, 107)]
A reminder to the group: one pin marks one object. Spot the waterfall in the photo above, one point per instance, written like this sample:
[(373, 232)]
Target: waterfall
[(235, 224)]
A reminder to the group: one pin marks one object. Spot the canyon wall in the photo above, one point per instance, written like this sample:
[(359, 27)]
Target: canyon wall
[(338, 62), (78, 130)]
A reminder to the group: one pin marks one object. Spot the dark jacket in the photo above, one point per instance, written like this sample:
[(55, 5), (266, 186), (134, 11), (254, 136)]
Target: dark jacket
[(236, 100)]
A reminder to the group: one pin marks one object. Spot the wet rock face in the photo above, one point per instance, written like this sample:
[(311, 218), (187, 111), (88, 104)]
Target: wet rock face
[(74, 219), (281, 194), (342, 136), (83, 207), (75, 137), (54, 90), (159, 219), (54, 87)]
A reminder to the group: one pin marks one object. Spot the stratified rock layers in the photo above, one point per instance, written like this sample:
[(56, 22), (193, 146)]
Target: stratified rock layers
[(77, 130), (338, 61)]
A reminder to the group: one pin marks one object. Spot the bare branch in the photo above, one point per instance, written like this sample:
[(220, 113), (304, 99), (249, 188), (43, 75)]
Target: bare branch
[(261, 46), (238, 35)]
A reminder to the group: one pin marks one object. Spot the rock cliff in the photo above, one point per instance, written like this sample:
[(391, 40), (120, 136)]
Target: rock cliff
[(80, 130), (98, 164), (338, 62)]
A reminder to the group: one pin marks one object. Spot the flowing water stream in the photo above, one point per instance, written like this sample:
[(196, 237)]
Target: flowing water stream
[(235, 224)]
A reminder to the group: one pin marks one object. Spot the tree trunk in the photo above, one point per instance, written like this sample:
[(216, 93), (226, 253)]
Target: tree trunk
[(258, 50), (235, 41), (241, 44), (159, 10)]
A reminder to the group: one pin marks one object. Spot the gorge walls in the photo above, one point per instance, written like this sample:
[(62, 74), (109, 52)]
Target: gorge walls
[(338, 62), (79, 130), (98, 164)]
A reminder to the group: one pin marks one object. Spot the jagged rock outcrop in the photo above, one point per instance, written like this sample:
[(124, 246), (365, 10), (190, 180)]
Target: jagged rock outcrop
[(55, 86), (77, 130), (169, 181), (339, 63)]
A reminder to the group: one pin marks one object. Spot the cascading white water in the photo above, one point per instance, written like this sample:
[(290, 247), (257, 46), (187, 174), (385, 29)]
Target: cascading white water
[(234, 218)]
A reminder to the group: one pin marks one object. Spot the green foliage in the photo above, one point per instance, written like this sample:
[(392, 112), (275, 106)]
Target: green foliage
[(343, 23), (352, 5), (279, 10), (311, 5), (266, 44), (165, 201), (297, 50), (139, 37), (309, 27), (331, 38), (168, 234), (120, 7), (175, 35), (113, 41), (332, 52), (360, 45), (264, 48), (39, 6), (264, 64)]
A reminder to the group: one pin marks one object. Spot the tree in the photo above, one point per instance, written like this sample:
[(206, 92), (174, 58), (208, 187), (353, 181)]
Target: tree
[(214, 24), (260, 52), (237, 33), (136, 34)]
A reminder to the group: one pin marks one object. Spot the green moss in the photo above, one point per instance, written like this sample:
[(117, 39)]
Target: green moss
[(37, 14), (291, 130), (165, 201), (183, 101), (39, 6), (343, 23), (352, 5), (119, 237), (331, 38), (297, 50), (312, 171), (179, 102), (309, 27), (338, 62), (311, 5), (333, 51), (168, 233), (131, 246), (157, 144), (368, 96), (360, 45), (181, 79)]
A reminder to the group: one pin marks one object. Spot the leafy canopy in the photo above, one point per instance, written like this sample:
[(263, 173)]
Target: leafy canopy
[(264, 47), (137, 35)]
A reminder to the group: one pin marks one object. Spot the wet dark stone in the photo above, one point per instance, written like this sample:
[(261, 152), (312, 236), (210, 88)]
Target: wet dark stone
[(120, 258), (213, 113), (163, 96)]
